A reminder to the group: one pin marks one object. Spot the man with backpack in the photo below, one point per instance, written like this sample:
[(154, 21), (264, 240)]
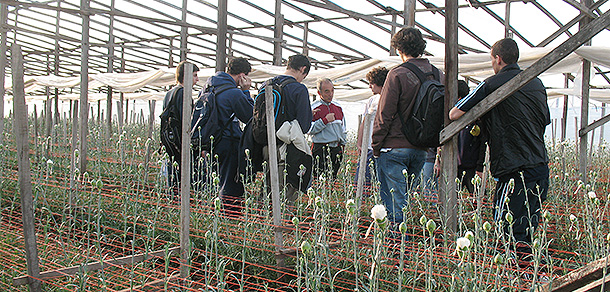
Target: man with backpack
[(514, 130), (327, 130), (171, 123), (233, 104), (399, 161), (294, 108)]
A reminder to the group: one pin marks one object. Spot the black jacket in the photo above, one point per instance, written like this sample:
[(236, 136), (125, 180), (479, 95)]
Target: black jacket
[(515, 127)]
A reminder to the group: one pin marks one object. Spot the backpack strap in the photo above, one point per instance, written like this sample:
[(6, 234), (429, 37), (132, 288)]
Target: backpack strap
[(420, 74)]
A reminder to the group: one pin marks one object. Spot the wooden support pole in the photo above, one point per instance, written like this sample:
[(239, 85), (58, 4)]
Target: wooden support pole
[(392, 33), (362, 161), (97, 265), (277, 34), (73, 146), (25, 179), (527, 75), (584, 107), (507, 32), (56, 61), (185, 172), (183, 33), (48, 106), (274, 173), (305, 37), (84, 85), (3, 37), (601, 128), (221, 38), (151, 124), (581, 277), (448, 191), (409, 12), (110, 69)]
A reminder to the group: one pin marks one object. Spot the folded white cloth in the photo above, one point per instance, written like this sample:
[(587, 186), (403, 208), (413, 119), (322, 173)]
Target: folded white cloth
[(290, 132)]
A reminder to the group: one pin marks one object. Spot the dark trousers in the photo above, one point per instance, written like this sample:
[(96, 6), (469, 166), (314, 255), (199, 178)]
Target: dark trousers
[(321, 161), (231, 189), (526, 195)]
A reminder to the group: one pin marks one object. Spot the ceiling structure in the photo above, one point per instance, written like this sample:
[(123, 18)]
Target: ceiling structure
[(134, 36)]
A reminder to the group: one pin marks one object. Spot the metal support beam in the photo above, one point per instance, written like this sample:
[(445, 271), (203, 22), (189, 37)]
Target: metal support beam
[(277, 34), (221, 38), (527, 75), (84, 86), (448, 192)]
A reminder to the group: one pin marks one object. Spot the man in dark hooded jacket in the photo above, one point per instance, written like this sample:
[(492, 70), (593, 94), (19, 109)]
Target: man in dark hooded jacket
[(236, 104)]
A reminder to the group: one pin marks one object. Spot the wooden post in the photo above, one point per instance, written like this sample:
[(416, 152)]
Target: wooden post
[(584, 107), (448, 193), (221, 37), (393, 32), (305, 41), (601, 128), (74, 143), (56, 61), (110, 70), (185, 172), (564, 130), (48, 106), (409, 13), (183, 33), (151, 124), (507, 32), (84, 85), (274, 174), (362, 161), (3, 36), (25, 179), (277, 34)]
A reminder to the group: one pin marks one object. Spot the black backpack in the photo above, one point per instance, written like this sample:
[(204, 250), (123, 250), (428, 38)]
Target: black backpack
[(423, 126), (171, 125), (259, 117), (205, 122)]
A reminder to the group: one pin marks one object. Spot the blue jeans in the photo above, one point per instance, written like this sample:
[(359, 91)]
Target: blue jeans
[(389, 170)]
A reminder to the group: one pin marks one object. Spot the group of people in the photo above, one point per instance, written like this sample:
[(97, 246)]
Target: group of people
[(513, 131)]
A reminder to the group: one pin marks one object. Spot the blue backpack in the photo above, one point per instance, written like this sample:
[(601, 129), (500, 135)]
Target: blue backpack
[(205, 122)]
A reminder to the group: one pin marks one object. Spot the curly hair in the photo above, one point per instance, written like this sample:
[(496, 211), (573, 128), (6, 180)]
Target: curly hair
[(377, 75), (239, 65), (409, 41)]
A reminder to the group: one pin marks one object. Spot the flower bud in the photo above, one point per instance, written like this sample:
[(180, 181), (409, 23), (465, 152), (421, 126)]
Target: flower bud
[(509, 218), (431, 226), (350, 205), (402, 227), (463, 243), (469, 235), (546, 215), (423, 220), (536, 244), (295, 221), (498, 259), (217, 203), (487, 226), (319, 201), (306, 247)]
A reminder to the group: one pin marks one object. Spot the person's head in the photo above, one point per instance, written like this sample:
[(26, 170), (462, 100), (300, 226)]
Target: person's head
[(409, 42), (504, 52), (298, 66), (462, 89), (326, 89), (376, 78), (180, 73), (239, 67)]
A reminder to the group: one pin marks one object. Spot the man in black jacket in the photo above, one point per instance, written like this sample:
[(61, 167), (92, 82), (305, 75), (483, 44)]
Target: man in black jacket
[(515, 130)]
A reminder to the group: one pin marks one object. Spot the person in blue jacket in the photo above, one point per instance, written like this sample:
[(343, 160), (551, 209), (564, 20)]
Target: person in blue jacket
[(237, 101)]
